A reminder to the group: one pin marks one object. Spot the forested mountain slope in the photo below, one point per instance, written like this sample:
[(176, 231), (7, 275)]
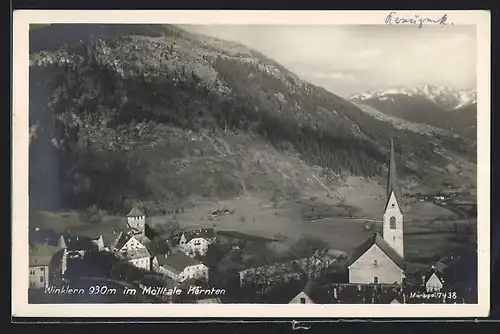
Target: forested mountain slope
[(127, 112)]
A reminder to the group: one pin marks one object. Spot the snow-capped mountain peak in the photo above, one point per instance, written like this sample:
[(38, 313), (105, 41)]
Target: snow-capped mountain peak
[(447, 97)]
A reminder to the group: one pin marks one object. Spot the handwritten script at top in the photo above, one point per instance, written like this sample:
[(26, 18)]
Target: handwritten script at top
[(416, 19)]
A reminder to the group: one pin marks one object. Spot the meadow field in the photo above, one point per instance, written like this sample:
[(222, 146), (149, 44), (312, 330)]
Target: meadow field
[(430, 231)]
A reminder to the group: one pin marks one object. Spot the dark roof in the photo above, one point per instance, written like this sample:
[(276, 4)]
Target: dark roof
[(392, 179), (206, 233), (122, 240), (42, 254), (177, 261), (79, 243), (135, 212), (283, 293), (109, 239), (132, 254), (383, 245)]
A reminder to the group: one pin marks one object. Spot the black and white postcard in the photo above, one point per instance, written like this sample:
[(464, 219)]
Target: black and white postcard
[(250, 161)]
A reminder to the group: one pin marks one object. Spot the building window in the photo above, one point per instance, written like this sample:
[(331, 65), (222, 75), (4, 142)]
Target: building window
[(41, 269), (375, 262), (302, 300), (375, 280), (393, 205), (393, 238), (41, 279), (393, 223)]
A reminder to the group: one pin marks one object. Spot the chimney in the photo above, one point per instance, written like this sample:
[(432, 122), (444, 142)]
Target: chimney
[(423, 280)]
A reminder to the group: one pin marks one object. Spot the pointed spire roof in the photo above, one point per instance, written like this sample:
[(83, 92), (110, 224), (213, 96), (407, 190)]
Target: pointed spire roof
[(392, 178), (62, 243)]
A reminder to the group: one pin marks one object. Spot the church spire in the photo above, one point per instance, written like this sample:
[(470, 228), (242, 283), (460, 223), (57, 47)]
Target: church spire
[(61, 243), (392, 179)]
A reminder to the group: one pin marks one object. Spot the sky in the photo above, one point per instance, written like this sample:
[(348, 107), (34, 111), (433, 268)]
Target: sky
[(355, 58)]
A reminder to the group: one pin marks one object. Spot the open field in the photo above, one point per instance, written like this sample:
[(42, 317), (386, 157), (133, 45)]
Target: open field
[(70, 222), (427, 235), (426, 239)]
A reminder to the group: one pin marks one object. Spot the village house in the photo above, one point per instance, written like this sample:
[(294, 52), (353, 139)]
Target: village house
[(380, 259), (433, 280), (297, 291), (375, 262), (138, 257), (47, 265), (196, 241), (127, 241), (128, 248), (305, 295), (180, 267), (82, 240), (76, 246)]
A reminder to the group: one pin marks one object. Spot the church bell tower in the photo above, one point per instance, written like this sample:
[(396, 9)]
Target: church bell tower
[(393, 214)]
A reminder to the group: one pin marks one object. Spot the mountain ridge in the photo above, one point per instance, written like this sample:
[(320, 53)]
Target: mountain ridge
[(447, 97), (152, 113), (442, 107)]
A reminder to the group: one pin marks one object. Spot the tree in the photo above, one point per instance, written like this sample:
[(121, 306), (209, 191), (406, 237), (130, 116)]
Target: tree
[(158, 246), (307, 246), (92, 215)]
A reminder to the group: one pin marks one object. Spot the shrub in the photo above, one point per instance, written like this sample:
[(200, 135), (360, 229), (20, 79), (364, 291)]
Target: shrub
[(92, 215)]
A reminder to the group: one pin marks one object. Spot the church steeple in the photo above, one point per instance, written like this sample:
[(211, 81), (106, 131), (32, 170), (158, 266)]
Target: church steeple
[(61, 243), (393, 215), (392, 178)]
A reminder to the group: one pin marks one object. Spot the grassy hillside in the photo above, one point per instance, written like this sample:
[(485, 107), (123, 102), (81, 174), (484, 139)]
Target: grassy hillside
[(464, 121), (421, 110), (127, 113)]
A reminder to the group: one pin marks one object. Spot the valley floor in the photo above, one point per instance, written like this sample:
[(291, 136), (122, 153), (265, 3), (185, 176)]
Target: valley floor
[(430, 231)]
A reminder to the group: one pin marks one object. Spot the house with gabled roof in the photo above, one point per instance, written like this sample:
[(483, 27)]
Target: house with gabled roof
[(128, 248), (433, 280), (180, 267), (196, 241), (296, 291), (47, 265), (380, 259), (76, 246), (375, 261), (127, 241), (305, 295), (138, 257)]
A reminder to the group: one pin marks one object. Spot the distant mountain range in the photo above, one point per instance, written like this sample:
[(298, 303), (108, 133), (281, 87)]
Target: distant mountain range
[(442, 107), (122, 113)]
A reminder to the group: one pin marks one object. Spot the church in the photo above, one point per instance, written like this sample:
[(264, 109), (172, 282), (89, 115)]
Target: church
[(380, 259)]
